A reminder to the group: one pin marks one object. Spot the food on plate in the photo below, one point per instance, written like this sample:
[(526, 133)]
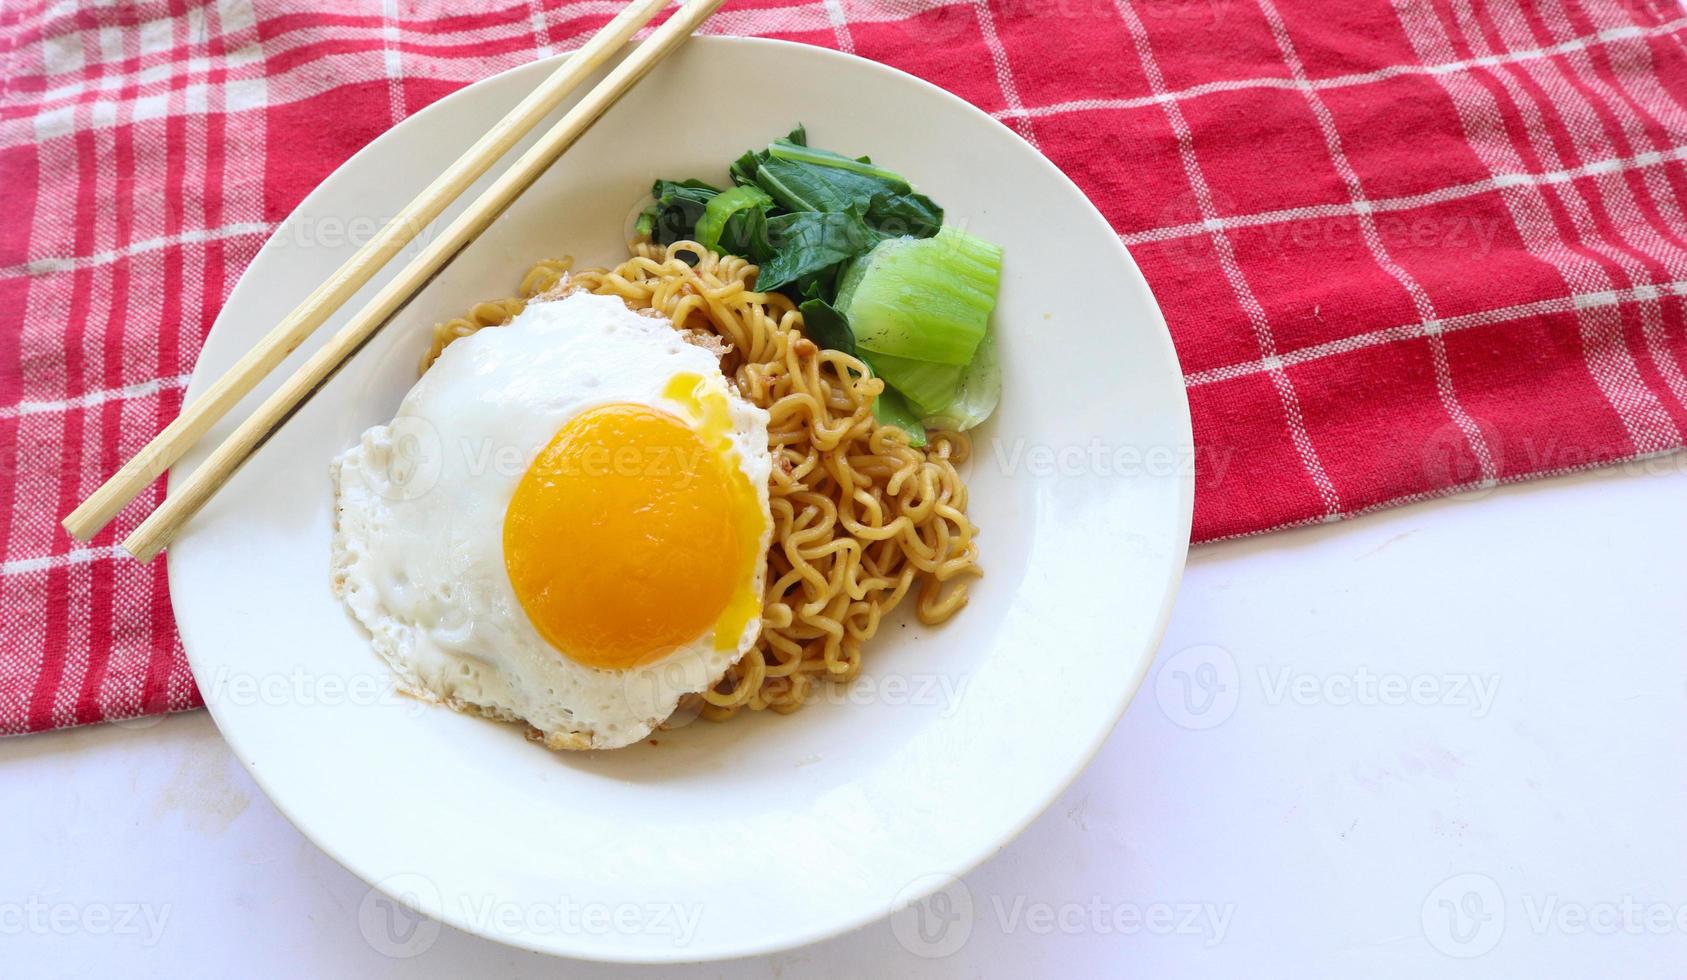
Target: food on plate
[(870, 263), (801, 501), (919, 310), (565, 524)]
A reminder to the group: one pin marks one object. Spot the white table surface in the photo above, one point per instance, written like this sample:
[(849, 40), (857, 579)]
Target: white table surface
[(1447, 740)]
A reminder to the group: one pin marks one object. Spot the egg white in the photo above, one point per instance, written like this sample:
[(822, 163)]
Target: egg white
[(418, 538)]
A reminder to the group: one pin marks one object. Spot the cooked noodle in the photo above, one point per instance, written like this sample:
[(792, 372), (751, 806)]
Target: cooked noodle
[(860, 518)]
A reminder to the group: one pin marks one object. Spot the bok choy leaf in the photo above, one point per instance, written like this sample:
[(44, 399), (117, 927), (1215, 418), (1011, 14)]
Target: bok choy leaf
[(871, 265), (732, 203), (678, 207), (810, 242)]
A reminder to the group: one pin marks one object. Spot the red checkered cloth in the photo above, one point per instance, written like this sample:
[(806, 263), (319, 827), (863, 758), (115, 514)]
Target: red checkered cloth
[(1404, 249)]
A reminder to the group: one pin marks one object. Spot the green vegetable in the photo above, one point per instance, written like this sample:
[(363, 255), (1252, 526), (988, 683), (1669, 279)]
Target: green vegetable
[(923, 299), (679, 205), (979, 391), (799, 153), (808, 243), (724, 206), (885, 202), (802, 187), (746, 234), (743, 169), (911, 215), (928, 386), (799, 213), (946, 396), (891, 409), (870, 265), (826, 326)]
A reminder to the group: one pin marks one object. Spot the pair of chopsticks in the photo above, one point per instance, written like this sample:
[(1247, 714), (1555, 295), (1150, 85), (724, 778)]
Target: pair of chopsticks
[(165, 449)]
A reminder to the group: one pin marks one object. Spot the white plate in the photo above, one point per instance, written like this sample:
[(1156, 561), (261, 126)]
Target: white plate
[(767, 832)]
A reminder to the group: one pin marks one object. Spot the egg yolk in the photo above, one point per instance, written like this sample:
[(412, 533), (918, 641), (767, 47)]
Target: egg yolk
[(635, 531)]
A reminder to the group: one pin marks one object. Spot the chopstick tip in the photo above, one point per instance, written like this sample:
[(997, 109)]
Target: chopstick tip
[(141, 546), (78, 525)]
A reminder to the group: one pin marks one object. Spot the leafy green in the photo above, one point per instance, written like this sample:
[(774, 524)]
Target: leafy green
[(919, 314), (807, 243), (911, 215), (798, 153), (887, 205), (890, 408), (928, 386), (926, 299), (678, 207), (826, 326), (979, 390), (796, 211), (724, 206), (803, 187), (746, 234), (870, 265), (743, 169)]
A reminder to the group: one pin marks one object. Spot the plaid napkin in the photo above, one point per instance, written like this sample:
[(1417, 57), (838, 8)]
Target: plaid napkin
[(1404, 249)]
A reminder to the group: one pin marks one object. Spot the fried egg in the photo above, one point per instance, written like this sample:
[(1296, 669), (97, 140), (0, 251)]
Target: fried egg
[(566, 524)]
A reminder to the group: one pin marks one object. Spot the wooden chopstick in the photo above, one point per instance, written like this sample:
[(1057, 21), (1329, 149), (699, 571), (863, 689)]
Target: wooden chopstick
[(157, 530), (168, 446)]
